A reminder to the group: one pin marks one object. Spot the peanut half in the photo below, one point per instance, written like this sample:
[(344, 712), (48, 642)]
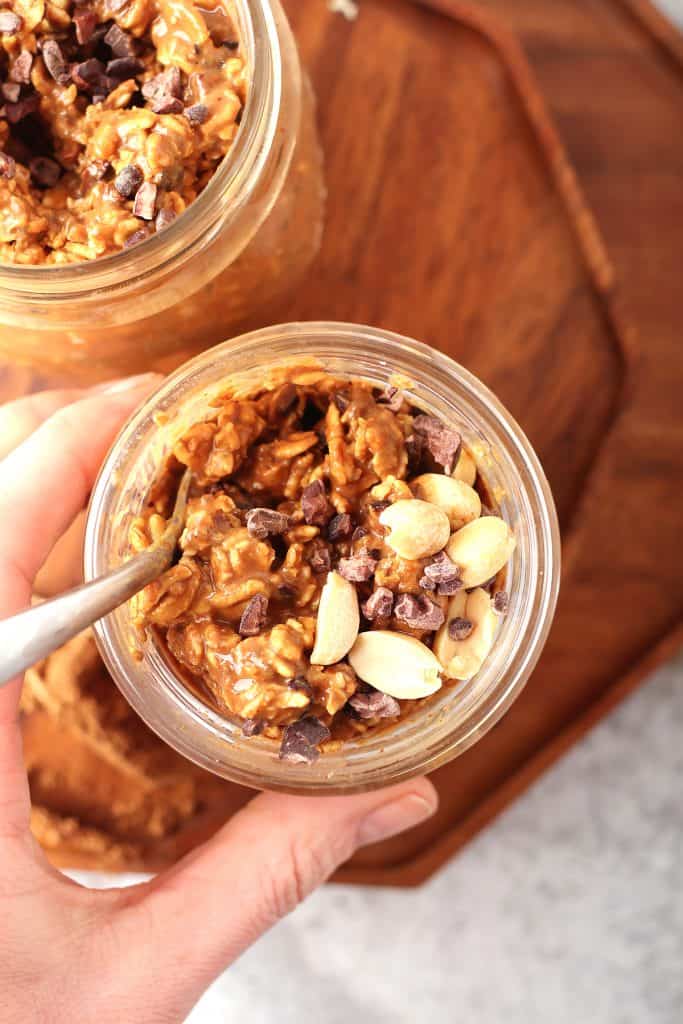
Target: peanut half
[(462, 659), (445, 648), (481, 549), (465, 468), (338, 621), (418, 528), (459, 501), (396, 664)]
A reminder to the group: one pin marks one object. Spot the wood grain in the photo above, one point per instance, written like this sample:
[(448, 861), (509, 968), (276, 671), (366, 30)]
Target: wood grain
[(455, 216)]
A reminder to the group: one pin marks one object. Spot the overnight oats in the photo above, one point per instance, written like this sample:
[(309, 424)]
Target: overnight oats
[(358, 568), (337, 562), (116, 117), (160, 178)]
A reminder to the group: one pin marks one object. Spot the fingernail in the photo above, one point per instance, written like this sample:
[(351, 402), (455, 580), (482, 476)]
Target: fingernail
[(112, 387), (394, 817)]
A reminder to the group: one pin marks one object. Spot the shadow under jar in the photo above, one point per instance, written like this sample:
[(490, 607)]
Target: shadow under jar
[(434, 730), (238, 249)]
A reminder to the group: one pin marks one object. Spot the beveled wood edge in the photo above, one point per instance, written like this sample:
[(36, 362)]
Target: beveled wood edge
[(414, 871), (663, 30)]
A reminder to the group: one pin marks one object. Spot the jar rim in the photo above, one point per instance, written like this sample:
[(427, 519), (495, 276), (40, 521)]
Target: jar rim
[(427, 738), (224, 196)]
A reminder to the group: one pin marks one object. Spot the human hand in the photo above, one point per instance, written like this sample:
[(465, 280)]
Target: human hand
[(143, 954)]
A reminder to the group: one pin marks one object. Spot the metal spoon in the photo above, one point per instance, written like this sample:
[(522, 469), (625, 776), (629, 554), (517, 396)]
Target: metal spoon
[(31, 635)]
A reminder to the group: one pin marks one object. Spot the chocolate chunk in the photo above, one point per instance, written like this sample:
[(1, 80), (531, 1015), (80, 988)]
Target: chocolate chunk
[(254, 616), (501, 602), (21, 69), (252, 727), (137, 236), (302, 685), (419, 612), (8, 166), (119, 42), (392, 398), (427, 584), (441, 571), (165, 217), (123, 68), (379, 605), (145, 201), (339, 526), (263, 522), (442, 442), (314, 504), (55, 61), (459, 628), (163, 89), (414, 451), (300, 740), (449, 587), (90, 76), (16, 112), (128, 181), (319, 557), (375, 705), (357, 568), (44, 172), (86, 23), (167, 105), (11, 91), (10, 23), (197, 114)]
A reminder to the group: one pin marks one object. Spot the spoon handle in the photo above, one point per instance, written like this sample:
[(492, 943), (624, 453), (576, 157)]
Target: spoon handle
[(33, 634)]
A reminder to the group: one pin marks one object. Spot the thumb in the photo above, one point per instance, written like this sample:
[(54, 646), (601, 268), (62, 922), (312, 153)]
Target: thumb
[(188, 924)]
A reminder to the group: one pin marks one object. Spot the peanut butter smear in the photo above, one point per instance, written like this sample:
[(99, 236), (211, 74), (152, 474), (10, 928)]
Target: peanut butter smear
[(115, 116)]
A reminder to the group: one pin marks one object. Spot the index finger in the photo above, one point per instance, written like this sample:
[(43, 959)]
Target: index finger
[(47, 479), (21, 417)]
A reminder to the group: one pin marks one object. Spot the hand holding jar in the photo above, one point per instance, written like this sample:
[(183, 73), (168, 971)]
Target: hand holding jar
[(124, 954)]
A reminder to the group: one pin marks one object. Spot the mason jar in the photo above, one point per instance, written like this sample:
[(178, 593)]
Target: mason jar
[(459, 714), (237, 250)]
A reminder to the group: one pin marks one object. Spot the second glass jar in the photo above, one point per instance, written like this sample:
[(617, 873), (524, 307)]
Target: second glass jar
[(239, 248)]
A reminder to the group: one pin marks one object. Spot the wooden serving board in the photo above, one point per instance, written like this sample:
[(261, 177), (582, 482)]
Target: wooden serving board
[(455, 216)]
